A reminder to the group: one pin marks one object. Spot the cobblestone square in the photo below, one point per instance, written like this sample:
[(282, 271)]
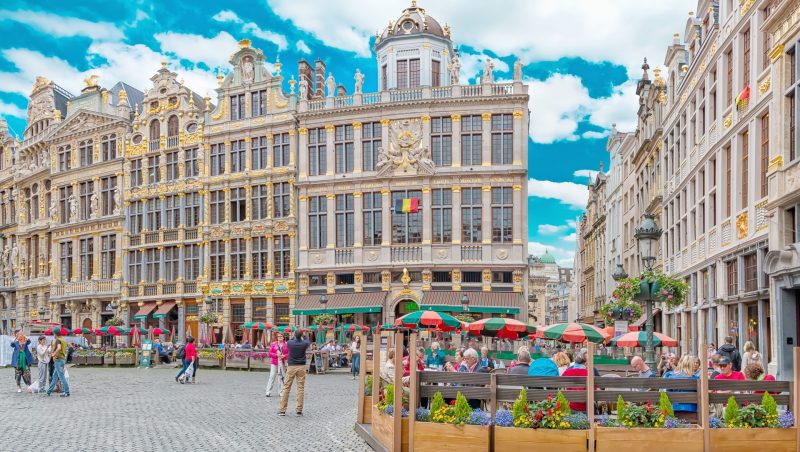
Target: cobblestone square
[(145, 410)]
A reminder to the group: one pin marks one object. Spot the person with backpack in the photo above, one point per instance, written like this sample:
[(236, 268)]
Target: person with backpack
[(728, 350)]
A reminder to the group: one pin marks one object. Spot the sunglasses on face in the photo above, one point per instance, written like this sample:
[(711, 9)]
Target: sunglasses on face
[(723, 365)]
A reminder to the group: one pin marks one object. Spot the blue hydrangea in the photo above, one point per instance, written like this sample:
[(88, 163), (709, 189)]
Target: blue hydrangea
[(577, 421), (423, 415), (504, 418), (716, 422), (606, 421), (786, 419), (479, 417), (673, 422), (389, 410)]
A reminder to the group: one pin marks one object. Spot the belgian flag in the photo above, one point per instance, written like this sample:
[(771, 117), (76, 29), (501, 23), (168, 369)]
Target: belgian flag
[(406, 205)]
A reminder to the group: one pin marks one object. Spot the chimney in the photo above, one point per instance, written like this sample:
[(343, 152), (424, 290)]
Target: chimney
[(319, 86), (341, 91), (306, 72)]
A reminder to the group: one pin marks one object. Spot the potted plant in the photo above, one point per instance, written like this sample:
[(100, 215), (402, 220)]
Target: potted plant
[(435, 429), (79, 357), (368, 400), (753, 426), (210, 357), (109, 358), (114, 321), (209, 317), (547, 424), (94, 358), (382, 418), (645, 423), (237, 359), (259, 360), (125, 356), (652, 285), (620, 310)]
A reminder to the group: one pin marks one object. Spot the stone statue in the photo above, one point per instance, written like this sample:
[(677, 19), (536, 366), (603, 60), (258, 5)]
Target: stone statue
[(359, 81), (118, 199), (53, 208), (406, 154), (248, 70), (14, 254), (331, 84), (73, 207), (7, 264), (94, 205), (518, 70), (455, 68), (303, 89), (488, 74)]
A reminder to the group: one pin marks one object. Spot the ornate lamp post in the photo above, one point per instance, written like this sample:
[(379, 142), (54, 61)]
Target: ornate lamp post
[(647, 236), (464, 302), (619, 274)]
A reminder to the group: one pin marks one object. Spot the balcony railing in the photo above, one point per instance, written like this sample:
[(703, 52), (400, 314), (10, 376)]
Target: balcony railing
[(151, 237), (343, 256), (135, 240), (169, 289), (92, 287), (172, 142), (150, 290), (473, 253), (170, 235), (155, 145), (190, 234), (190, 287), (404, 95), (406, 253)]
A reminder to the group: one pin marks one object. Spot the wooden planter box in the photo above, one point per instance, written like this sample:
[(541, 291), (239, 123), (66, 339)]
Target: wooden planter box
[(512, 438), (465, 438), (109, 359), (383, 430), (94, 360), (750, 439), (236, 363), (210, 362), (125, 360), (78, 360), (367, 409), (259, 364), (613, 439)]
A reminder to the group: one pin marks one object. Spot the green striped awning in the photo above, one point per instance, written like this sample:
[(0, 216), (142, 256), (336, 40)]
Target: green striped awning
[(144, 310), (340, 303), (489, 302)]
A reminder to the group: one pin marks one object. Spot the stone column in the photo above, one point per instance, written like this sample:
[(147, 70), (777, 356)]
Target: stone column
[(248, 196), (519, 217), (269, 150), (762, 330), (331, 202), (330, 155), (181, 320), (182, 210), (486, 214), (456, 218), (456, 134), (302, 152), (519, 154), (427, 231), (486, 139), (358, 233), (181, 263), (358, 149), (248, 154), (292, 147), (226, 156), (303, 222), (386, 220)]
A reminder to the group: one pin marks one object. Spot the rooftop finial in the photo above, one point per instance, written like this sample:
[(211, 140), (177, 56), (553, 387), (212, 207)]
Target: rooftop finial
[(645, 67), (413, 3)]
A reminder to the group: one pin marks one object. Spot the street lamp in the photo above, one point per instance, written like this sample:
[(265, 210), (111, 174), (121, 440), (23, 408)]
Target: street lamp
[(619, 274), (323, 300), (647, 236), (41, 310), (208, 300), (113, 306)]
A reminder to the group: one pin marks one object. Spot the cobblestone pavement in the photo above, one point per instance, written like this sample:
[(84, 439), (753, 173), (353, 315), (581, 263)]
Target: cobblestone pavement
[(145, 410)]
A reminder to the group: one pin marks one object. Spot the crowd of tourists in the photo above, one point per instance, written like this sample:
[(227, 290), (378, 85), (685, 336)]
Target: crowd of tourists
[(51, 359)]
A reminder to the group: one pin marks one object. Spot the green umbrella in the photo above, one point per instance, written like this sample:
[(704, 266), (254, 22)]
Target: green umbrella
[(573, 332), (316, 328), (504, 328), (256, 326), (639, 339), (284, 329), (385, 327), (429, 319), (352, 327)]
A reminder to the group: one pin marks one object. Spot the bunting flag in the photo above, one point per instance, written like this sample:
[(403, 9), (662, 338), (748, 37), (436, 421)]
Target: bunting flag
[(743, 98), (406, 205)]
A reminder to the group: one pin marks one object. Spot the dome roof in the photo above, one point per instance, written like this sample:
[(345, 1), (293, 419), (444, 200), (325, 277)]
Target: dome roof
[(413, 21), (547, 258)]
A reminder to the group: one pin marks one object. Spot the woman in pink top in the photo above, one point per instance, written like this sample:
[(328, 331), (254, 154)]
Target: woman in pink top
[(278, 354), (189, 357)]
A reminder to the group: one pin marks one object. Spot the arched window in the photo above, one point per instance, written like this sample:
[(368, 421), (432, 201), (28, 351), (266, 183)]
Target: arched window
[(35, 202), (172, 126), (155, 135), (28, 205)]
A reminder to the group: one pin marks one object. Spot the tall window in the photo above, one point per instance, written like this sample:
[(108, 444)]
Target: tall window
[(217, 264), (745, 58), (86, 190), (155, 134), (370, 144), (729, 77), (471, 138), (135, 260), (750, 273), (136, 217), (191, 210), (502, 139), (172, 211), (260, 200), (217, 206), (64, 158), (317, 222), (733, 284), (191, 262), (238, 150), (408, 73), (384, 78), (153, 170), (791, 57), (66, 261), (343, 143), (471, 217), (442, 215), (237, 107), (373, 218), (280, 199), (280, 150), (764, 153), (238, 204), (442, 141), (406, 227), (728, 176), (172, 166), (238, 258), (766, 37), (173, 127), (282, 255), (108, 255), (136, 173), (258, 102), (153, 214), (260, 257), (260, 151), (86, 152), (317, 152), (86, 259), (152, 265), (745, 163), (190, 167), (171, 260), (502, 214), (436, 71), (108, 146), (108, 186), (217, 159), (345, 221)]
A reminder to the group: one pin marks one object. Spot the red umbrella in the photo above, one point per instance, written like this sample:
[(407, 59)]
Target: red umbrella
[(61, 329), (112, 330), (159, 331), (572, 332), (429, 319), (82, 330), (639, 339), (504, 328)]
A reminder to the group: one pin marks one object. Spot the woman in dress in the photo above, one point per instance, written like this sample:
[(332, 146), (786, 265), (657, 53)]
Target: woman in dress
[(21, 360)]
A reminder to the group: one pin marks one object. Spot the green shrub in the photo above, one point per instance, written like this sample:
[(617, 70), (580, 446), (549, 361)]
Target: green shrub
[(437, 403), (732, 413), (620, 408), (462, 410), (563, 404), (771, 408), (664, 405)]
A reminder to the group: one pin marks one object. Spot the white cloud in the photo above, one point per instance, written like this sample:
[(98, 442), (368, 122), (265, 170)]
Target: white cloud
[(570, 193), (253, 28), (563, 256), (593, 134), (570, 238), (572, 223), (30, 64), (472, 66), (557, 105), (198, 49), (227, 15), (302, 47), (619, 108), (551, 229), (591, 174), (62, 26), (11, 110)]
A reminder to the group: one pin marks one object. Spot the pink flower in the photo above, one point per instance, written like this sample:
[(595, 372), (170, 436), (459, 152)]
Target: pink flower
[(669, 297), (664, 292)]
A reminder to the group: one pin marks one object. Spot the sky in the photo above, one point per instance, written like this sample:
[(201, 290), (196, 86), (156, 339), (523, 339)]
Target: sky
[(582, 61)]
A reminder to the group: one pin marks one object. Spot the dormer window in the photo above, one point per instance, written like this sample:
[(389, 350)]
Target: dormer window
[(408, 73)]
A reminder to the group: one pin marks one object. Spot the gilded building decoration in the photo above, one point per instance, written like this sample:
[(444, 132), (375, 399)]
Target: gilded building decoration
[(406, 154), (741, 226)]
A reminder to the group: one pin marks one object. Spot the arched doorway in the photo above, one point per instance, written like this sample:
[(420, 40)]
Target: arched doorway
[(405, 306), (87, 323)]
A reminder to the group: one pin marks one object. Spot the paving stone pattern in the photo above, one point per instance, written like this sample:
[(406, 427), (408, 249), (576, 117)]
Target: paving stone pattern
[(145, 410)]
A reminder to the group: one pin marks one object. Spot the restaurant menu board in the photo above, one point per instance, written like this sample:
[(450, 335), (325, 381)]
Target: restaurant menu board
[(147, 351)]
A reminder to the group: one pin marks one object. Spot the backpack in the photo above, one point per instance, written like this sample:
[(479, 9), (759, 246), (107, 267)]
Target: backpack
[(181, 352)]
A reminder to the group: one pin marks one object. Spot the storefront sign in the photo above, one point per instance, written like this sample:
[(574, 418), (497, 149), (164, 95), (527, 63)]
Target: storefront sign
[(147, 350)]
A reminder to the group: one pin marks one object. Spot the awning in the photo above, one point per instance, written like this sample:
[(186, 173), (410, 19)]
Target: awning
[(490, 302), (162, 311), (640, 322), (340, 303), (146, 309)]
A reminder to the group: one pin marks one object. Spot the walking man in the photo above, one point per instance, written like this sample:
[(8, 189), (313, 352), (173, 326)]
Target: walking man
[(297, 369), (59, 358)]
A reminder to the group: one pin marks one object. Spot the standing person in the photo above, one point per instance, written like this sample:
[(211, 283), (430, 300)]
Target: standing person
[(43, 356), (59, 360), (728, 350), (297, 369), (189, 357), (751, 355), (21, 360), (278, 354), (355, 361)]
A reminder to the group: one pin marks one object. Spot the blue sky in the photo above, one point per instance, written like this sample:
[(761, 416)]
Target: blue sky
[(581, 58)]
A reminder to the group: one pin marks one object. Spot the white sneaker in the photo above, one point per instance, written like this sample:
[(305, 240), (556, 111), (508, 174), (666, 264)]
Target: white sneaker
[(19, 390), (267, 394)]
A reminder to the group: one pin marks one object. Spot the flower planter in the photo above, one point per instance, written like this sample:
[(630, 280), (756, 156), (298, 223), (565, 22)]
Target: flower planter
[(466, 438), (94, 360), (512, 438), (648, 291), (383, 430), (210, 362), (258, 363), (367, 407), (78, 360), (236, 362), (614, 439), (125, 360), (749, 439), (109, 359)]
